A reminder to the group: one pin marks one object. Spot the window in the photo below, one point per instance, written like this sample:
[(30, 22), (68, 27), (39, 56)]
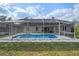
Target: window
[(72, 29), (64, 28), (36, 28)]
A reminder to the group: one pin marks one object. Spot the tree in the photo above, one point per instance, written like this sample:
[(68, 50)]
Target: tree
[(2, 18), (76, 28), (9, 18)]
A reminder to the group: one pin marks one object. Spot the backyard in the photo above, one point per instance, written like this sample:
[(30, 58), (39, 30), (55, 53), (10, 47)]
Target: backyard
[(39, 49)]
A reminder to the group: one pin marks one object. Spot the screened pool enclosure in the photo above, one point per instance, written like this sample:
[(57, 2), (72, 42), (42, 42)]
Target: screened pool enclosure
[(44, 26)]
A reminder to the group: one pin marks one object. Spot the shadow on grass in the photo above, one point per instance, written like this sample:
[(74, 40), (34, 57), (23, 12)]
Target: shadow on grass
[(35, 46)]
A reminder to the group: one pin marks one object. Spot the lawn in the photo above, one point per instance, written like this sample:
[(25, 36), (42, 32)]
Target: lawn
[(39, 49), (1, 36)]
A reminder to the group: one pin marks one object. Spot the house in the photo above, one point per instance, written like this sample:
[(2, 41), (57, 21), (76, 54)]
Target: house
[(53, 26)]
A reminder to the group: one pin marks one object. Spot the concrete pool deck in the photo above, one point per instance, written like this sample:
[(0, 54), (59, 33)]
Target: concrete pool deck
[(61, 39)]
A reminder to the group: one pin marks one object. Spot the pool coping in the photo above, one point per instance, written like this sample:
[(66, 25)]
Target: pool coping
[(59, 39), (38, 40)]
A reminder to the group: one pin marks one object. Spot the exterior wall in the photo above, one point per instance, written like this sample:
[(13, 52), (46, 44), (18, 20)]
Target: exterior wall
[(32, 29), (23, 28), (68, 28), (56, 29), (39, 29), (4, 28)]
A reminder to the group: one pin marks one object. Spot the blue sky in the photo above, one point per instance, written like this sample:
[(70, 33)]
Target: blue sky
[(63, 11), (48, 6)]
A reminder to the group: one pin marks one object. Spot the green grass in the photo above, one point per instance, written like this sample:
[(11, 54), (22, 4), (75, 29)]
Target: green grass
[(39, 49), (1, 36), (77, 32)]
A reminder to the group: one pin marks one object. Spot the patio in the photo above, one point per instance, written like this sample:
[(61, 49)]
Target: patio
[(61, 28)]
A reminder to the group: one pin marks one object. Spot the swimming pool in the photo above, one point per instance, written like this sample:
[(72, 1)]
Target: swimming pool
[(35, 36)]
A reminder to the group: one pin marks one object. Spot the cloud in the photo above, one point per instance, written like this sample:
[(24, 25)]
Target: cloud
[(60, 13), (4, 9), (76, 5), (30, 12), (36, 12), (75, 12), (68, 14)]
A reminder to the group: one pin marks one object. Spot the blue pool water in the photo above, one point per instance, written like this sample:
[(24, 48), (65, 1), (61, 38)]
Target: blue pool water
[(35, 36)]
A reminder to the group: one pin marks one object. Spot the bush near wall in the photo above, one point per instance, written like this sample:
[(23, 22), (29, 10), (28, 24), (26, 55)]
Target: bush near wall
[(77, 32)]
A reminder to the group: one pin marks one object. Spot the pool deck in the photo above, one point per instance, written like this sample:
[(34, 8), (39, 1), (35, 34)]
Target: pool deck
[(61, 39)]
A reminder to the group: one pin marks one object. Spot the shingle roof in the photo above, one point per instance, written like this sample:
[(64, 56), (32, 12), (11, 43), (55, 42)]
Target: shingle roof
[(47, 21)]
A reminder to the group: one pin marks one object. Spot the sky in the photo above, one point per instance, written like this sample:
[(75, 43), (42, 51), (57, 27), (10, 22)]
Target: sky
[(61, 11)]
